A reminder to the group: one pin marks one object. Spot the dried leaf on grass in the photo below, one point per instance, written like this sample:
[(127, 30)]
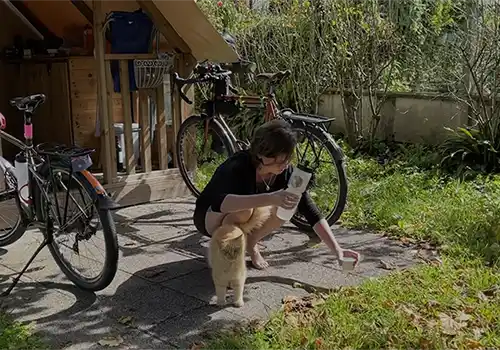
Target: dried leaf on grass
[(197, 346), (387, 265), (472, 344), (111, 341), (449, 325), (293, 303)]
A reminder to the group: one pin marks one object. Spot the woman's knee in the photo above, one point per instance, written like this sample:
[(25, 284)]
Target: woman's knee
[(238, 217)]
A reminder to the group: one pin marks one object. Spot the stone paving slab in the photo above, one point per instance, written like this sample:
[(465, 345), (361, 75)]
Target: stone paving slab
[(163, 287)]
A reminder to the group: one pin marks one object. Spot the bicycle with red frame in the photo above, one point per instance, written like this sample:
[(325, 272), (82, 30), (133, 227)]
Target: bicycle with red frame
[(215, 141)]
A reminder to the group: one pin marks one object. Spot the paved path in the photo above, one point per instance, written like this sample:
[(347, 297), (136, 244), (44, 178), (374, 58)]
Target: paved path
[(162, 296)]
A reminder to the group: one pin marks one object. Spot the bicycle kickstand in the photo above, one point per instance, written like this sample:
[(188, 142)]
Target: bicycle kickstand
[(38, 250)]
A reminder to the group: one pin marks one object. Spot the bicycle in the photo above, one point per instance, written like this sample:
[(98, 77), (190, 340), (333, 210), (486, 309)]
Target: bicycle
[(43, 177), (225, 101)]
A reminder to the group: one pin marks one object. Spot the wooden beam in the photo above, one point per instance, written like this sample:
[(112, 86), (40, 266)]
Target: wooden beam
[(164, 26), (102, 94), (28, 18), (130, 160), (84, 9), (161, 128), (111, 119)]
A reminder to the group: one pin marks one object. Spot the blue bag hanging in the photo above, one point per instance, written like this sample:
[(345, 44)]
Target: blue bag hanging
[(128, 33)]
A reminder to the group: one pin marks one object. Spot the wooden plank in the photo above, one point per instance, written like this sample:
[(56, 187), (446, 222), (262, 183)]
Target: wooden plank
[(161, 128), (83, 62), (144, 114), (155, 187), (84, 9), (129, 56), (176, 113), (130, 160), (164, 26), (99, 49)]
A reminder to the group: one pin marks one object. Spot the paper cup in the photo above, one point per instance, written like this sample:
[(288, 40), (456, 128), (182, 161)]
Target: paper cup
[(347, 263)]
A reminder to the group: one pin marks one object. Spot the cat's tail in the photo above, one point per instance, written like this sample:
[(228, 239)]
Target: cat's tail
[(227, 233)]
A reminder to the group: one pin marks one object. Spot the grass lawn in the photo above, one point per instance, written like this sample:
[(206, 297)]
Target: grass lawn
[(14, 335), (455, 304)]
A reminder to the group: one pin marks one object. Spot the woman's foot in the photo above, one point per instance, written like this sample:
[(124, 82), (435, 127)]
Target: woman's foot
[(257, 260)]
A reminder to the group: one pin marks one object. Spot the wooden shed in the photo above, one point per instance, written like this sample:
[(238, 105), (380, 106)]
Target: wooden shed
[(82, 106)]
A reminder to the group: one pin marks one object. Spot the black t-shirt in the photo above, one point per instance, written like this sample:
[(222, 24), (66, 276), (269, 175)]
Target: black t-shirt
[(237, 176)]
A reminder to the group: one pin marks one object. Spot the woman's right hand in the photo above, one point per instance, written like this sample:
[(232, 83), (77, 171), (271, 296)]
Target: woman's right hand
[(284, 199)]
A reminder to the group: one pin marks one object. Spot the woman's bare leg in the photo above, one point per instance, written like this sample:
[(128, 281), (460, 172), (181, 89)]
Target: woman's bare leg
[(272, 224)]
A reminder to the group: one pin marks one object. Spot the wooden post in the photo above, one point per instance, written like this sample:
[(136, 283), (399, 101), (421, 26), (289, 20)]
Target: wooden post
[(111, 119), (161, 128), (130, 160), (99, 46), (144, 114), (183, 65)]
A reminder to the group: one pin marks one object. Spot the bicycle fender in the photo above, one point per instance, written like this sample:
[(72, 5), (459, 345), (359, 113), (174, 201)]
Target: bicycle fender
[(339, 155), (104, 201)]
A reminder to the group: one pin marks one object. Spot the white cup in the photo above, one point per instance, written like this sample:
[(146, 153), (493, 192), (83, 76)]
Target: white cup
[(347, 263)]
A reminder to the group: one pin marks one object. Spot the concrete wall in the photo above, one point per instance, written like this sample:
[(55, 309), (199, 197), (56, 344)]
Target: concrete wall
[(406, 117)]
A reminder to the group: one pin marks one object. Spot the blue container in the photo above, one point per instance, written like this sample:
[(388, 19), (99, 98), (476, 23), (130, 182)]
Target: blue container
[(129, 32)]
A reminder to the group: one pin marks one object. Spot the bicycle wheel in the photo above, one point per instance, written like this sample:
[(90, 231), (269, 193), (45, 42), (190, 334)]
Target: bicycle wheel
[(11, 220), (79, 214), (202, 145), (328, 187)]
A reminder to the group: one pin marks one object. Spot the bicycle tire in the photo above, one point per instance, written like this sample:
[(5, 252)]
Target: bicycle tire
[(338, 156), (19, 228), (108, 227), (217, 128)]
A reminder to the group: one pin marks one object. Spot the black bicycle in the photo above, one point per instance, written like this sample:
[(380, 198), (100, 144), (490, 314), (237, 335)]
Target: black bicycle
[(213, 141), (50, 188)]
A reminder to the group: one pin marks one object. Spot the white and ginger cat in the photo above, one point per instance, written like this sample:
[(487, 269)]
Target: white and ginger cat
[(227, 255)]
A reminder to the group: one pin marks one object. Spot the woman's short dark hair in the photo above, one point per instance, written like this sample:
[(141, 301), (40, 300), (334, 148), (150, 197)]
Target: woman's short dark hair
[(272, 139)]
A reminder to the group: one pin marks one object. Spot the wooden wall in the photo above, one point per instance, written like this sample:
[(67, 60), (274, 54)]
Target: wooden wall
[(10, 26)]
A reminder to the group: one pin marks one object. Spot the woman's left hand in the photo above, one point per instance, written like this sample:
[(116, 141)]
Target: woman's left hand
[(349, 254)]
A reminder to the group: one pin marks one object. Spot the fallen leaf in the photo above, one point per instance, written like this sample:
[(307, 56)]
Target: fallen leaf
[(432, 303), (462, 317), (435, 261), (197, 346), (482, 296), (407, 240), (472, 344), (386, 265), (425, 344), (478, 332), (449, 325), (111, 341), (317, 301), (389, 303), (126, 320), (469, 309)]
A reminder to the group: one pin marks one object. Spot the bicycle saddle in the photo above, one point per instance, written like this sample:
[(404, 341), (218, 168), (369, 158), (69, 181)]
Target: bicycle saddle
[(274, 76), (23, 103)]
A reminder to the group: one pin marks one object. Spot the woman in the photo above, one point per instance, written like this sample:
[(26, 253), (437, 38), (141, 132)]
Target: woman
[(256, 178)]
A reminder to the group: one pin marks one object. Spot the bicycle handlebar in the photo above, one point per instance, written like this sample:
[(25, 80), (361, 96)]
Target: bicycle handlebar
[(205, 74)]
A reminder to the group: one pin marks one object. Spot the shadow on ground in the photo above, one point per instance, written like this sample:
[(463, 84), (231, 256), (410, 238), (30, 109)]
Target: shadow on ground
[(162, 295)]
